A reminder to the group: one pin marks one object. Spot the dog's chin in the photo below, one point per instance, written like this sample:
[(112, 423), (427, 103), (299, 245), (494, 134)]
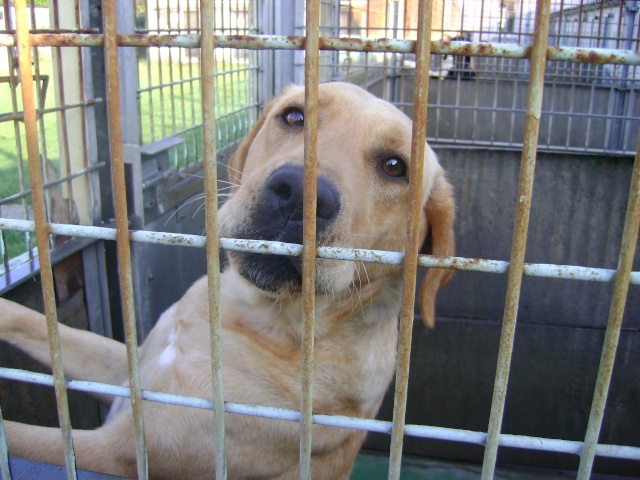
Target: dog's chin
[(274, 274), (279, 275)]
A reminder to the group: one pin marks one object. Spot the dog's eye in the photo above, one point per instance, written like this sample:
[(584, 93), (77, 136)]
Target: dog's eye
[(294, 117), (394, 167)]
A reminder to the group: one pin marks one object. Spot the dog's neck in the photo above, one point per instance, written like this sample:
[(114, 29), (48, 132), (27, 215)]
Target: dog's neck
[(375, 305)]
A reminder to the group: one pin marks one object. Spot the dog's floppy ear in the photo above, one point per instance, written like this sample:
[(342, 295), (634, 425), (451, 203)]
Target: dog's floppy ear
[(237, 160), (439, 213)]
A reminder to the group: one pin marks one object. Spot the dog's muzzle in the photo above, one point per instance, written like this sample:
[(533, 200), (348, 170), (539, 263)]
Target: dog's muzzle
[(284, 193), (277, 215)]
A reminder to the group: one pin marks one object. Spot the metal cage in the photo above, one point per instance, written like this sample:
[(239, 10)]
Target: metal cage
[(421, 53)]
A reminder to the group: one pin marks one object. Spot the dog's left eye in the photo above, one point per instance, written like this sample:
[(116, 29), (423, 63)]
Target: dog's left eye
[(294, 117), (394, 167)]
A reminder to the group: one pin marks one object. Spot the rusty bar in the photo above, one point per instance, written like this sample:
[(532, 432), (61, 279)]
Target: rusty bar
[(42, 236), (122, 234), (412, 248), (259, 42), (566, 272), (207, 66), (520, 230), (311, 66), (612, 334), (14, 80)]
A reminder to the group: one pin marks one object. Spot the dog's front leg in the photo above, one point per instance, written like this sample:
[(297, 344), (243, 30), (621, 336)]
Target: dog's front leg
[(106, 450), (85, 355)]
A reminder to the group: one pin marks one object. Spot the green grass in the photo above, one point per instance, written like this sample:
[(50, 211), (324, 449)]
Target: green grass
[(177, 106), (13, 147), (10, 149)]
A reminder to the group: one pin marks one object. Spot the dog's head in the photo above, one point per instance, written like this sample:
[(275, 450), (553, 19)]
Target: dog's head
[(364, 163)]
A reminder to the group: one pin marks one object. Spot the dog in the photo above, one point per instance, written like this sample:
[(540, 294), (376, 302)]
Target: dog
[(364, 163)]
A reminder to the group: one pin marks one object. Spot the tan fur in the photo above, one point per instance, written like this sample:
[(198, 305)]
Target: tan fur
[(356, 316)]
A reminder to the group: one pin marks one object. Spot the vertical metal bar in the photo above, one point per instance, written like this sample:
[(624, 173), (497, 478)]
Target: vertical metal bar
[(227, 85), (620, 289), (83, 98), (160, 76), (520, 230), (122, 227), (63, 114), (172, 92), (42, 234), (236, 81), (17, 129), (207, 65), (181, 53), (420, 97), (191, 29), (150, 93), (312, 60), (40, 100)]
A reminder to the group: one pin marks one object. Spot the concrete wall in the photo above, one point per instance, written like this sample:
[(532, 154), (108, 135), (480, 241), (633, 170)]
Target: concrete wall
[(577, 216)]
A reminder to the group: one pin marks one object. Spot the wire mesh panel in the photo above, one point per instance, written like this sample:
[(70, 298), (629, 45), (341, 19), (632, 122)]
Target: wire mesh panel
[(580, 98), (169, 78), (482, 67), (64, 102)]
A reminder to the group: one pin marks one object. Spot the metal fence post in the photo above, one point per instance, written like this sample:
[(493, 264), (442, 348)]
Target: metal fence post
[(520, 230), (614, 323)]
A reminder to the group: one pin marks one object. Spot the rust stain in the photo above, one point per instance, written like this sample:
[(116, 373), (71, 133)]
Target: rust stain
[(295, 40)]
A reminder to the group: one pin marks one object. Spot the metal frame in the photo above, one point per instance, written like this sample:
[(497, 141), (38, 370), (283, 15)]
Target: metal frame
[(538, 52)]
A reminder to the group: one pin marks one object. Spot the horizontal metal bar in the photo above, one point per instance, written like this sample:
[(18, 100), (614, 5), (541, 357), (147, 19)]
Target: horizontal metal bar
[(5, 117), (550, 148), (568, 272), (277, 42), (79, 173), (183, 81), (523, 110), (339, 421)]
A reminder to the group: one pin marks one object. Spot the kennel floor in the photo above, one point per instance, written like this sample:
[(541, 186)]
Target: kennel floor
[(370, 465)]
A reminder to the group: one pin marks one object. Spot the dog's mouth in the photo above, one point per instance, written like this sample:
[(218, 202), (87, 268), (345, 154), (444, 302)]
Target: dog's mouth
[(276, 215), (276, 273), (271, 273)]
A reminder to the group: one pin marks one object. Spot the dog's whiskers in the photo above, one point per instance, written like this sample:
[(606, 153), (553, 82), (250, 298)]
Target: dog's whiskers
[(195, 198), (198, 209), (226, 219), (364, 267), (229, 167), (184, 204), (232, 184), (183, 174), (358, 293)]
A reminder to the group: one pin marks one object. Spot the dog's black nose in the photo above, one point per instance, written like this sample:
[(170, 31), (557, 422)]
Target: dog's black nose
[(285, 192)]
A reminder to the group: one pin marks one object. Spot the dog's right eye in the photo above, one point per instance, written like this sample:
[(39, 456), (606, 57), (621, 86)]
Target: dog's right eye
[(294, 117), (394, 167)]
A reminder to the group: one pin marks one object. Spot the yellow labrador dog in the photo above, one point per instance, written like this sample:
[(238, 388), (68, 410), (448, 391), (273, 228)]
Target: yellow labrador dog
[(363, 170)]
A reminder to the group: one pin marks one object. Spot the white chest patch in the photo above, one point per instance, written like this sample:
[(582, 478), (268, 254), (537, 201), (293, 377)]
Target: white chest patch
[(168, 355)]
